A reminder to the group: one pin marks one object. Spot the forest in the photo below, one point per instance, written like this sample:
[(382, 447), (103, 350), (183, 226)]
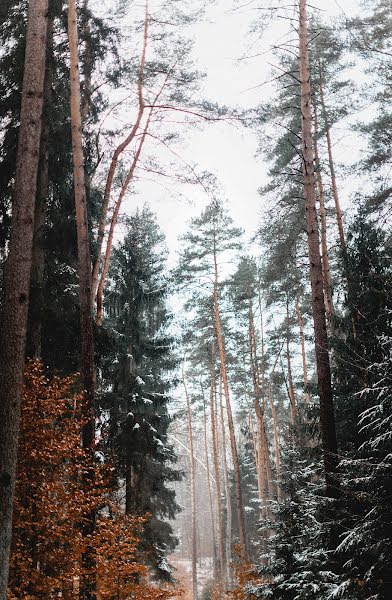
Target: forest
[(195, 300)]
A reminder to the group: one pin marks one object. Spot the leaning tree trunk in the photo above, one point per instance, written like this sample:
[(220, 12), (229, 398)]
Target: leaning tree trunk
[(327, 419), (18, 269), (116, 155), (193, 493), (36, 301), (233, 443), (85, 297)]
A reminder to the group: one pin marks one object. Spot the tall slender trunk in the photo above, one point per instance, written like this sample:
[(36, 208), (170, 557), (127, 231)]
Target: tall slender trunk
[(262, 354), (293, 404), (229, 518), (233, 443), (221, 549), (113, 222), (327, 419), (36, 301), (116, 155), (87, 63), (263, 464), (335, 192), (212, 515), (303, 351), (193, 493), (85, 297), (323, 224), (275, 428), (18, 270)]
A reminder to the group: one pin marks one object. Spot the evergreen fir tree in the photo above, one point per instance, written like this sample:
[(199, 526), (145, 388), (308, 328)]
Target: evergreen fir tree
[(139, 374)]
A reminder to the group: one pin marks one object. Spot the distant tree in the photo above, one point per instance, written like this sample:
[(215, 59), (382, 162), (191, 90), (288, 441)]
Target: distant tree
[(211, 236)]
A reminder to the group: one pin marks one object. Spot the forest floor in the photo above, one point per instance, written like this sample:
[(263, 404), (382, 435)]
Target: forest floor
[(182, 571)]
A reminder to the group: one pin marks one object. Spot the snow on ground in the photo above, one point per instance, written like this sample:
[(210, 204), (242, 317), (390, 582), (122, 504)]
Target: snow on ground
[(182, 571)]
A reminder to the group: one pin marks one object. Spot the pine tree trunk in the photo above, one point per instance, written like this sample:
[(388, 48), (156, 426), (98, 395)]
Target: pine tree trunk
[(193, 494), (303, 351), (116, 155), (210, 495), (323, 225), (293, 405), (327, 419), (113, 222), (18, 270), (36, 301), (221, 548), (335, 192), (85, 296), (263, 465), (233, 443), (229, 517), (275, 428)]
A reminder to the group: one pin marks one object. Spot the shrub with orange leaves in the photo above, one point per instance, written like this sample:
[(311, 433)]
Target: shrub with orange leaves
[(245, 575), (53, 499)]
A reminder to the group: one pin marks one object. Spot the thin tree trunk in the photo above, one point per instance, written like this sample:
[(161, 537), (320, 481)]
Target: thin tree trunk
[(236, 465), (262, 355), (221, 549), (87, 63), (262, 456), (210, 493), (275, 429), (113, 222), (229, 517), (85, 297), (303, 351), (335, 192), (323, 224), (327, 419), (113, 163), (36, 302), (18, 270), (293, 405), (193, 493)]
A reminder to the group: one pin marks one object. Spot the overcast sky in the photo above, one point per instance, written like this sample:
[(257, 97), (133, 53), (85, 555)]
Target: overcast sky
[(222, 39)]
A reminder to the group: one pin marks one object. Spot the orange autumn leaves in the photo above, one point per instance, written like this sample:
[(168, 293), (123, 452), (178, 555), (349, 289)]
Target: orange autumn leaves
[(53, 498)]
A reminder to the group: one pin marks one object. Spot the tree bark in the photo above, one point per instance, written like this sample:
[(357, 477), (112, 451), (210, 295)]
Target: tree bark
[(233, 443), (293, 404), (18, 270), (36, 301), (113, 222), (193, 493), (323, 225), (85, 296), (263, 464), (210, 494), (303, 351), (221, 548), (327, 419), (229, 517), (113, 163), (275, 428), (335, 192)]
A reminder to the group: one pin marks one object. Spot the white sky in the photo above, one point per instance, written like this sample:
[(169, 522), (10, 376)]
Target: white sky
[(226, 150)]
